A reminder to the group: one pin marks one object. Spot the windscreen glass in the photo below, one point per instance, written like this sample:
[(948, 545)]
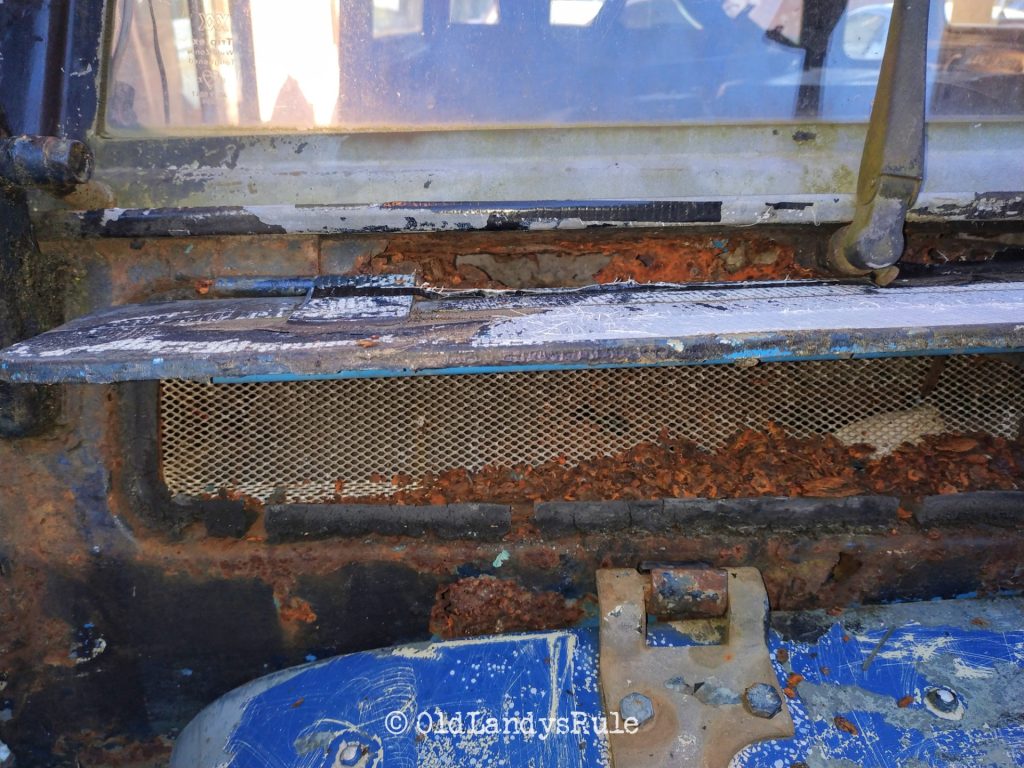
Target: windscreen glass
[(184, 66)]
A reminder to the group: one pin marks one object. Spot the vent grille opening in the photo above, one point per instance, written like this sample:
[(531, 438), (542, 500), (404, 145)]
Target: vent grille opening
[(297, 439)]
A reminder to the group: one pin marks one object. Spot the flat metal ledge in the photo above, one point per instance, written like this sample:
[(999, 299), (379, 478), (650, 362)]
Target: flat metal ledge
[(751, 163), (252, 339)]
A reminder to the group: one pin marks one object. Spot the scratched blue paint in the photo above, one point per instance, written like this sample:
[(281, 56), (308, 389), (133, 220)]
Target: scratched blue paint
[(306, 717), (907, 663), (428, 706)]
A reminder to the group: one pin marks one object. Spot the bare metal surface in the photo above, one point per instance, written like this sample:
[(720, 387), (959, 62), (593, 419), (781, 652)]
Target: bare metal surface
[(687, 728), (304, 436)]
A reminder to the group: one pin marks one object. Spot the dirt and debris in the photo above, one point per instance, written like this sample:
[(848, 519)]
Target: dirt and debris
[(945, 247), (753, 463), (485, 605)]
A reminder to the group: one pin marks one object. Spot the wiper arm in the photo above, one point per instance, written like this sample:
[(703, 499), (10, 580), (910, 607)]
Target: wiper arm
[(892, 165)]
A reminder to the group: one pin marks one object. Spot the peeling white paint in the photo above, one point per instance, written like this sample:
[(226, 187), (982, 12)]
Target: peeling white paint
[(672, 315), (111, 214), (330, 309), (231, 346)]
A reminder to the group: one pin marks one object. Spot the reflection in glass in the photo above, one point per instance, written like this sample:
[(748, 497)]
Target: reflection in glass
[(474, 12), (188, 65)]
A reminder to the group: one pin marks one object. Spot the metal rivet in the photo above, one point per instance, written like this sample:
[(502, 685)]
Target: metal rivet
[(636, 706), (762, 700)]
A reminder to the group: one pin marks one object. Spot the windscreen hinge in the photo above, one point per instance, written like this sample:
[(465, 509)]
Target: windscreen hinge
[(44, 162)]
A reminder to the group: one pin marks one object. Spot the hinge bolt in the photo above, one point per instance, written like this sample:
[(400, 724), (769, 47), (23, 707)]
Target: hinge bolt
[(762, 700), (636, 706)]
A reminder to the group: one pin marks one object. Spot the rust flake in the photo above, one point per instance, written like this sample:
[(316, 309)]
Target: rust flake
[(845, 725)]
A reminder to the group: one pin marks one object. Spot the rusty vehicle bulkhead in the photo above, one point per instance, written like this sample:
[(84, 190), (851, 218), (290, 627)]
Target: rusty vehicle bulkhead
[(135, 589)]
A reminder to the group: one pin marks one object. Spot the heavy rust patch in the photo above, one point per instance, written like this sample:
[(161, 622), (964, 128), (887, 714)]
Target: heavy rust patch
[(485, 605), (519, 260)]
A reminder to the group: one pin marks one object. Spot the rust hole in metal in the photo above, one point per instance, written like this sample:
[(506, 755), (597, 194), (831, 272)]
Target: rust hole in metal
[(845, 568)]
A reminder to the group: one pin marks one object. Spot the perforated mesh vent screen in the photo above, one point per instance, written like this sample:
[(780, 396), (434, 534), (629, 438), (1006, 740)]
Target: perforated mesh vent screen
[(301, 437)]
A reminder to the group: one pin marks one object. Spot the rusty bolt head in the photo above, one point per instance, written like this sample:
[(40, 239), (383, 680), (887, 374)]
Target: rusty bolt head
[(762, 700), (636, 706), (943, 699)]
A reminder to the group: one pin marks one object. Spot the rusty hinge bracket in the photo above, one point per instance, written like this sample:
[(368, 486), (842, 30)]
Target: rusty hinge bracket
[(690, 705), (892, 164)]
